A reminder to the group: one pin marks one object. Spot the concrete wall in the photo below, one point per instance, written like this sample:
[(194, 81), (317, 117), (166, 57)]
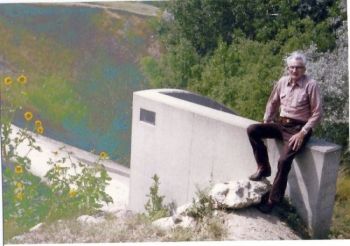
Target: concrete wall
[(189, 145)]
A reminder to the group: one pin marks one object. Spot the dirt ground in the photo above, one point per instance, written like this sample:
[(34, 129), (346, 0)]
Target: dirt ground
[(251, 224)]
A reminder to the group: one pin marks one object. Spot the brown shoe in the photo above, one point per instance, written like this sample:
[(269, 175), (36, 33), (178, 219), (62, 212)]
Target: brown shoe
[(260, 174)]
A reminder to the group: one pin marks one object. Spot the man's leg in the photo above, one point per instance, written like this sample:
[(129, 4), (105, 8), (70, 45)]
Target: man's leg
[(284, 165), (280, 183), (256, 134)]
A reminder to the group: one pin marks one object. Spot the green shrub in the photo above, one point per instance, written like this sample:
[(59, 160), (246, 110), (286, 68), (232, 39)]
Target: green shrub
[(25, 199), (340, 228), (202, 205), (77, 188), (154, 206), (70, 188)]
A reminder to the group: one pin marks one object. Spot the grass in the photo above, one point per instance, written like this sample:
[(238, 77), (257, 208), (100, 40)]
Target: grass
[(341, 215), (130, 228)]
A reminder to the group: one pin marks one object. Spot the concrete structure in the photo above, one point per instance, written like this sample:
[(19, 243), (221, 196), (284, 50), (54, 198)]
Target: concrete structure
[(191, 141)]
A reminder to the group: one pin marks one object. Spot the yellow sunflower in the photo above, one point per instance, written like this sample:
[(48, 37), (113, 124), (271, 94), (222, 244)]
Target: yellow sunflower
[(40, 130), (19, 185), (18, 169), (28, 116), (103, 155), (38, 123), (7, 81), (72, 193), (20, 196), (22, 79)]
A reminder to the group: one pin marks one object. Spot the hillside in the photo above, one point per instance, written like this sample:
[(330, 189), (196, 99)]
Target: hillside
[(82, 64)]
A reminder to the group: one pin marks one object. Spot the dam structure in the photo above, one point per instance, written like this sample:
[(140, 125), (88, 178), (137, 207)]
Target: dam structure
[(191, 141)]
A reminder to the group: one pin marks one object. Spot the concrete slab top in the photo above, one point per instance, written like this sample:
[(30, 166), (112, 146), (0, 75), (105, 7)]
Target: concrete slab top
[(158, 95), (161, 95)]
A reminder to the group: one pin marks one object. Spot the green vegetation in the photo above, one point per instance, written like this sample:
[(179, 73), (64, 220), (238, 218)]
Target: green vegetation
[(68, 189), (239, 61), (133, 228), (233, 51), (83, 64), (155, 208), (202, 206), (341, 217)]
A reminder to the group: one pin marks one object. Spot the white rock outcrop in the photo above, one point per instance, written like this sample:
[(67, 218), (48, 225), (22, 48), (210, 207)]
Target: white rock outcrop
[(90, 219), (228, 195), (239, 194), (172, 222)]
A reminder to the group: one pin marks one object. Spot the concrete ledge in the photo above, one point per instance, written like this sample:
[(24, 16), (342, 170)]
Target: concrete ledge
[(189, 145)]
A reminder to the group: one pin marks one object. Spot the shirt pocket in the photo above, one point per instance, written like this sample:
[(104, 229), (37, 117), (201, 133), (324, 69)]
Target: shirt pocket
[(283, 97), (303, 99)]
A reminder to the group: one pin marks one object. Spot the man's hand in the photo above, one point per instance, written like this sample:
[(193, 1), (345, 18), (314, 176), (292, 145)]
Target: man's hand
[(296, 140)]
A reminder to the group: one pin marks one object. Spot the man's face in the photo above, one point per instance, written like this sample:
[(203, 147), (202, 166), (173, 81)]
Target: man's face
[(296, 69)]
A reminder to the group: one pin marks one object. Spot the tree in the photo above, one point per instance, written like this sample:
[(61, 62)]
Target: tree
[(330, 69), (174, 69), (204, 22)]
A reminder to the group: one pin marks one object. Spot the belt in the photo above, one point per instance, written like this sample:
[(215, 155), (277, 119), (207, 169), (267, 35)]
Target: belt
[(285, 120)]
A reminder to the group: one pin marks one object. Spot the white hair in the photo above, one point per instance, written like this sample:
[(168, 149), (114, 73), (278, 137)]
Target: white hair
[(296, 55)]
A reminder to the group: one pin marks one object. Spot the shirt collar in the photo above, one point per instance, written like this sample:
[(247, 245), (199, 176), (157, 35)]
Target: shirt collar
[(298, 83)]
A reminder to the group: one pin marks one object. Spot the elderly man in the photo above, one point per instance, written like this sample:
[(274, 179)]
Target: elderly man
[(296, 97)]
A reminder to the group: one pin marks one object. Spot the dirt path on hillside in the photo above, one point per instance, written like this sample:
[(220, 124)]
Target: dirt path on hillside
[(132, 7)]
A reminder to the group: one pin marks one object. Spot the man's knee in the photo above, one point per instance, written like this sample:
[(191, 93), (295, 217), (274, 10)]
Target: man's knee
[(253, 129), (284, 164)]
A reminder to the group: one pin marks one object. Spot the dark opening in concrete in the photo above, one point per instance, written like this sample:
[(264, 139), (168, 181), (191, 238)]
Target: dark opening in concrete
[(148, 116), (201, 100)]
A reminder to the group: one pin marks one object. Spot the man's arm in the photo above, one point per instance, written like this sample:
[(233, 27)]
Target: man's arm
[(316, 113), (273, 104)]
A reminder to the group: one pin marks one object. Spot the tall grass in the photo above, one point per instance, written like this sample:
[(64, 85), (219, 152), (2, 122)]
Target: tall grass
[(341, 216)]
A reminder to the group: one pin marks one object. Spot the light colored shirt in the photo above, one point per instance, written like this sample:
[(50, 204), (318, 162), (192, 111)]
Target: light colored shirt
[(301, 101)]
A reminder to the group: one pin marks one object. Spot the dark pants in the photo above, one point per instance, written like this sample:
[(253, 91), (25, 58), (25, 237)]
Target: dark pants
[(283, 132)]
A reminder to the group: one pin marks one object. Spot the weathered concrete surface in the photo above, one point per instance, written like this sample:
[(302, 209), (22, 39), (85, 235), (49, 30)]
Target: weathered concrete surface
[(191, 145)]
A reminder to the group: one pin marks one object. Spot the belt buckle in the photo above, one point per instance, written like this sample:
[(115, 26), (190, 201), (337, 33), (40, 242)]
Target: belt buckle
[(285, 120)]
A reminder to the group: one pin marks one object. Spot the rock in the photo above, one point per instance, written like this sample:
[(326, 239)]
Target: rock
[(186, 222), (123, 213), (239, 194), (18, 238), (180, 217), (34, 228), (90, 219), (169, 223), (166, 223), (233, 194), (182, 210)]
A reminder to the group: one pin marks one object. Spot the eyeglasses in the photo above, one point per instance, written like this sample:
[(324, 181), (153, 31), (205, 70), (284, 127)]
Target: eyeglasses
[(296, 67)]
